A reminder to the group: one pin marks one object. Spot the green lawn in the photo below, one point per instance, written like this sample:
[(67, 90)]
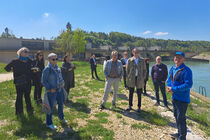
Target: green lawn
[(85, 121), (2, 65)]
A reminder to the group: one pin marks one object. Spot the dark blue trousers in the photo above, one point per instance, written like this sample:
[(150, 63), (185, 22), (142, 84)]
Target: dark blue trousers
[(159, 85), (180, 109)]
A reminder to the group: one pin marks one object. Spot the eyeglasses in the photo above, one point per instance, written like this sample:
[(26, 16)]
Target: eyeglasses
[(26, 52), (54, 59)]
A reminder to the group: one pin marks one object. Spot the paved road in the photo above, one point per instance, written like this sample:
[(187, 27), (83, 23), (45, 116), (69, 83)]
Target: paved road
[(6, 77)]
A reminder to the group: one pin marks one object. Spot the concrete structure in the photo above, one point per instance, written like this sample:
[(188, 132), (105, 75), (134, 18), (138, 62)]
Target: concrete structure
[(9, 47)]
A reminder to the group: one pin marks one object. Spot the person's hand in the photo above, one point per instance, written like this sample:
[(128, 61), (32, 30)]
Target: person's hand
[(169, 89), (70, 69), (163, 82), (52, 90), (124, 66)]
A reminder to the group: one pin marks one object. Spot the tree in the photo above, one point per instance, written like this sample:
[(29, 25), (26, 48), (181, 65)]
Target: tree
[(70, 42), (7, 34)]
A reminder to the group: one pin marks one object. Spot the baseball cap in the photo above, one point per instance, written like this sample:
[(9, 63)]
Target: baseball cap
[(180, 53)]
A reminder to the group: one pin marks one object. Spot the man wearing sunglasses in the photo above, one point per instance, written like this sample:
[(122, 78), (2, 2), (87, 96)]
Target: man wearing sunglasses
[(179, 83), (53, 82)]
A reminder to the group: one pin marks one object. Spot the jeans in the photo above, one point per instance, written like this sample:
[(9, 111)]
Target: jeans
[(23, 90), (108, 86), (37, 91), (158, 84), (180, 109), (53, 97)]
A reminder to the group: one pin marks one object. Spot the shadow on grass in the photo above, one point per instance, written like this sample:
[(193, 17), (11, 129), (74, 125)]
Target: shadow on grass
[(33, 127), (122, 96), (78, 106), (154, 98), (151, 117)]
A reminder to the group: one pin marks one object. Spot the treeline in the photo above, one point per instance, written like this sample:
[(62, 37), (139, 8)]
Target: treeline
[(117, 39)]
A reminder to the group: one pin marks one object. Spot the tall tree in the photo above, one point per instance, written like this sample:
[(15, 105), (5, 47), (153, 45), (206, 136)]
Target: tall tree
[(7, 34)]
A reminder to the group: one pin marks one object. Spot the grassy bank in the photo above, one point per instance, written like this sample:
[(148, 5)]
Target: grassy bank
[(85, 121), (2, 65)]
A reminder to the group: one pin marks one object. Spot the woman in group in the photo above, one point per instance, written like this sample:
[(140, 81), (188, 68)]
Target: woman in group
[(38, 66), (53, 82), (67, 69), (21, 68)]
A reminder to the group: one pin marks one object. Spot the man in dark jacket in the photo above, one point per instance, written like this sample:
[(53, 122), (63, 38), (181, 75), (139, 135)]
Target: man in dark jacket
[(93, 66), (124, 62), (159, 74)]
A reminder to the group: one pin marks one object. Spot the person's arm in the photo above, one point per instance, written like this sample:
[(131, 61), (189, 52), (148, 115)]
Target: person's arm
[(169, 81), (121, 70), (9, 66), (44, 79), (128, 67), (144, 69), (106, 69), (152, 73), (165, 73), (187, 82)]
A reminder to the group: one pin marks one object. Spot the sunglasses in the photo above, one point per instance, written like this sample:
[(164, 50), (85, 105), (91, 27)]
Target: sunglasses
[(54, 59)]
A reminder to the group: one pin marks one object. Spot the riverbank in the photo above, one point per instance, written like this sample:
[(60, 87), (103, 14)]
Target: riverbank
[(86, 121)]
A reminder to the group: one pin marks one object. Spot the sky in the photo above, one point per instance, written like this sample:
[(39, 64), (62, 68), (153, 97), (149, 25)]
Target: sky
[(163, 19)]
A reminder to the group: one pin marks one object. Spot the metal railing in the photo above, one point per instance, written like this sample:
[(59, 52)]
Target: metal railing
[(202, 91)]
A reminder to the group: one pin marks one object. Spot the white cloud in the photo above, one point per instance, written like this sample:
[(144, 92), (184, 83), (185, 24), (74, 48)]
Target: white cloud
[(46, 15), (161, 33), (147, 32)]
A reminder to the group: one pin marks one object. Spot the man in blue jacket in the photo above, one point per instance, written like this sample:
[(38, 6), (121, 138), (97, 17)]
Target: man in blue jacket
[(179, 83)]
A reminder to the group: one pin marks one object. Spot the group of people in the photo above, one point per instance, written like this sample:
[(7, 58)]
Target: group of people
[(27, 72), (135, 72)]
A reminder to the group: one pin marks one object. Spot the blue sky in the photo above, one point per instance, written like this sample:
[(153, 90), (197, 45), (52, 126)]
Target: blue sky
[(166, 19)]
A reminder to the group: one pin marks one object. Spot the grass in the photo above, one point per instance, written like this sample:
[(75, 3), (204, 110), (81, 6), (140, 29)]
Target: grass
[(140, 126), (2, 65), (82, 123)]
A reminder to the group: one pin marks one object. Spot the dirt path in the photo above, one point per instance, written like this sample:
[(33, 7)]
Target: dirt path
[(6, 77)]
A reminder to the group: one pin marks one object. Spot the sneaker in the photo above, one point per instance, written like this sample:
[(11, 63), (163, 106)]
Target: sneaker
[(139, 110), (102, 107), (176, 135), (156, 104), (64, 121), (129, 108), (52, 127)]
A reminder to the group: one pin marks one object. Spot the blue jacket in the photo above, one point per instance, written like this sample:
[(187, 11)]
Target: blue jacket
[(50, 78), (180, 81), (108, 65)]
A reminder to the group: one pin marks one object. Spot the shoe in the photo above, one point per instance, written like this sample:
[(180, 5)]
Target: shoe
[(64, 121), (52, 127), (156, 104), (167, 107), (93, 77), (139, 110), (176, 135), (102, 107), (129, 108)]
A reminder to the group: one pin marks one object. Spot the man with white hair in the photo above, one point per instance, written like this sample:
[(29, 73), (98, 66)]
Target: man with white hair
[(113, 72), (53, 82), (22, 73)]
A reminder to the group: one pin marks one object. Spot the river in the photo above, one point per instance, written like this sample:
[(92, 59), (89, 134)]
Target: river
[(201, 74)]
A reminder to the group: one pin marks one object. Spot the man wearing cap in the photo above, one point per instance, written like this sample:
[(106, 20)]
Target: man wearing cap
[(179, 83)]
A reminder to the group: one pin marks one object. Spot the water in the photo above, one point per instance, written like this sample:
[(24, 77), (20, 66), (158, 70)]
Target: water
[(201, 74)]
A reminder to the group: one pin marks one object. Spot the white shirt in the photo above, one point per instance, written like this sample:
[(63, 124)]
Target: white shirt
[(136, 61)]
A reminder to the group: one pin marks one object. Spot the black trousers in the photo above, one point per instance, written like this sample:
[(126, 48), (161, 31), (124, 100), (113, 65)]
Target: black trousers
[(37, 91), (159, 85), (23, 90), (139, 92), (145, 85), (94, 70), (124, 79)]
